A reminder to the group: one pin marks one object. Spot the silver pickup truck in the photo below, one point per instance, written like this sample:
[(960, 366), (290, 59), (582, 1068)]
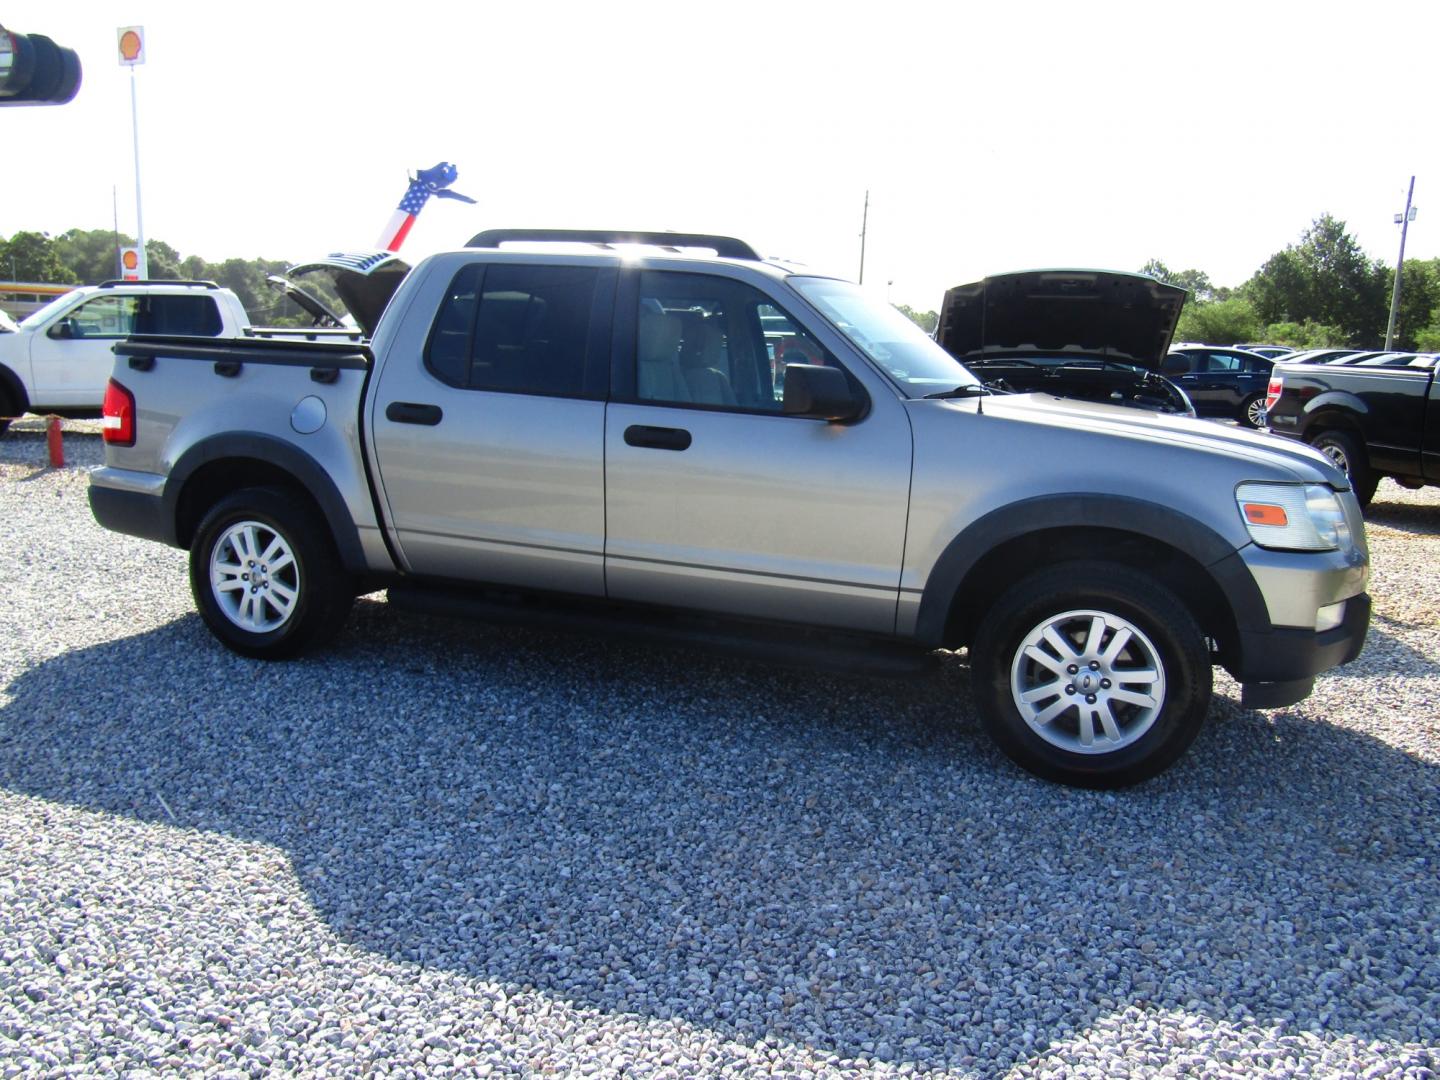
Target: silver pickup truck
[(665, 430)]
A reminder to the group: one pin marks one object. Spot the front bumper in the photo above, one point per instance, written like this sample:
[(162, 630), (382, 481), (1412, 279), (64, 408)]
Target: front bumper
[(1277, 667)]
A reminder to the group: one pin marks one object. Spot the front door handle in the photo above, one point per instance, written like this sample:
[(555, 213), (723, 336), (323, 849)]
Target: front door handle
[(657, 438), (410, 412)]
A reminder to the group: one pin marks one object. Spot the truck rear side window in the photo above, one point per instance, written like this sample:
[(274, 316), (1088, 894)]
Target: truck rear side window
[(513, 328)]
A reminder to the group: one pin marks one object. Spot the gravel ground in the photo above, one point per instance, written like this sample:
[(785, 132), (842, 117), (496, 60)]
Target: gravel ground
[(446, 849)]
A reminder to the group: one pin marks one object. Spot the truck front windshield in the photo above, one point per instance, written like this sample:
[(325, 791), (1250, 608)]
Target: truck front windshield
[(900, 348), (36, 318)]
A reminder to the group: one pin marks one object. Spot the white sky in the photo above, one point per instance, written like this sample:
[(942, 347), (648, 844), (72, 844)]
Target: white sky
[(991, 137)]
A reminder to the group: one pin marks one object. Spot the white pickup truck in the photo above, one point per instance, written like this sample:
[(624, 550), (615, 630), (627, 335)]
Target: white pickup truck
[(58, 360)]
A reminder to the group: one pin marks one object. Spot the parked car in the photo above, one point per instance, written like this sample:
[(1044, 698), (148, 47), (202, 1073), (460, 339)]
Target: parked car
[(595, 438), (1091, 335), (1398, 359), (1222, 381), (1270, 352), (1372, 420), (1318, 356)]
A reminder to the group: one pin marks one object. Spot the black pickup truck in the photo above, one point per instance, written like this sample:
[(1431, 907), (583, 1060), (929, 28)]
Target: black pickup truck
[(1372, 421)]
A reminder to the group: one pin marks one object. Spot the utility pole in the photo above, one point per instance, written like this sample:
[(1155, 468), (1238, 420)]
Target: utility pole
[(864, 224), (1403, 220)]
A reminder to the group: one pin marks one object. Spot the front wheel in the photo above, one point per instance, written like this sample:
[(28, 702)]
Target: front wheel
[(1342, 449), (1091, 674), (265, 575)]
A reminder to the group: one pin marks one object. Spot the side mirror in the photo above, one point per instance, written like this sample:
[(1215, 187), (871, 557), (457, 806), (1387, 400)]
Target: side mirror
[(62, 330), (822, 393)]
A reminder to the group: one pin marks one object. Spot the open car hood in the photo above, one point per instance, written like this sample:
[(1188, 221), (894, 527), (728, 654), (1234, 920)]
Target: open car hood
[(307, 302), (364, 281), (1100, 314)]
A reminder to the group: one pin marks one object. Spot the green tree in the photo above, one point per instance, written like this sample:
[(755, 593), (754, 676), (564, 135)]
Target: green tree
[(1325, 279), (1196, 282), (1306, 335), (1419, 300), (926, 320), (32, 256), (91, 253), (1221, 322)]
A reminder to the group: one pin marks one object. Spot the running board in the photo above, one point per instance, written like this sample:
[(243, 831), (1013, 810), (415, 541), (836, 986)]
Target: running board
[(765, 642)]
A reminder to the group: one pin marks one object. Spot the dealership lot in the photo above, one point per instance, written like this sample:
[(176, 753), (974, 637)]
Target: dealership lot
[(440, 846)]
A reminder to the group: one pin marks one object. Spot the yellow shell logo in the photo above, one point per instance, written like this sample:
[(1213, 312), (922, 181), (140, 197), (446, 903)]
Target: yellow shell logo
[(130, 45)]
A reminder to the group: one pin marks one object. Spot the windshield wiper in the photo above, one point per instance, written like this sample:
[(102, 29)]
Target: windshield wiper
[(967, 391)]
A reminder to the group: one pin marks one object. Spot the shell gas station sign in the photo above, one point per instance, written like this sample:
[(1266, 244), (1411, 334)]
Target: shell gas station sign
[(130, 263), (131, 42)]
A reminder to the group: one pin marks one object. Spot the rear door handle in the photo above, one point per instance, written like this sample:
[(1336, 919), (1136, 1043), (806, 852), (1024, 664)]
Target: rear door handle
[(410, 412), (657, 438)]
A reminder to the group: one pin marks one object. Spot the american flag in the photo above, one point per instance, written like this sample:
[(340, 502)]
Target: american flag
[(427, 182)]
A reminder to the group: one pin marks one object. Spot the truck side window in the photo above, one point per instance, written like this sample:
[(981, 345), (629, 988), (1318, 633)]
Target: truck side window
[(512, 328), (705, 340), (191, 315)]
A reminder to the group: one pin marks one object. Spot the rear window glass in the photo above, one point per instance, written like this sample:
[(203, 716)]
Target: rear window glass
[(516, 329)]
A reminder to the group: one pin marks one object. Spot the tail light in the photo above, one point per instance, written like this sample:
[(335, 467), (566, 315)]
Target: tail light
[(117, 422), (1273, 391)]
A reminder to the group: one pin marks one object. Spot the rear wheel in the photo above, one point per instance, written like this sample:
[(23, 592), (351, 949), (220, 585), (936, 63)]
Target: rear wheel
[(265, 574), (1091, 674), (1252, 411), (8, 411), (1344, 450)]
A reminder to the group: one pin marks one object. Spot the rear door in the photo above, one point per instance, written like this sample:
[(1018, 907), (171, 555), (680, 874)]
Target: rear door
[(488, 426), (715, 499)]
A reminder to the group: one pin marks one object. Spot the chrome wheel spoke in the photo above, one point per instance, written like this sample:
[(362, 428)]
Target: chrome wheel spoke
[(1107, 721), (1117, 646), (1073, 696), (254, 578), (1044, 716), (1044, 659), (1040, 693), (1060, 644)]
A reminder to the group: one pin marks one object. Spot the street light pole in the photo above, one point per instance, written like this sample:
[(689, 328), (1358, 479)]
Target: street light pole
[(1403, 220)]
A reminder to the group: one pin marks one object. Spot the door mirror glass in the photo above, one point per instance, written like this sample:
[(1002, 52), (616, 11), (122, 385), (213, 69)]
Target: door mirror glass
[(821, 393), (63, 330)]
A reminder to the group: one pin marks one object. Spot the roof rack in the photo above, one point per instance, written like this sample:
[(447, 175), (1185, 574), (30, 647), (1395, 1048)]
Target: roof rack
[(155, 281), (727, 247)]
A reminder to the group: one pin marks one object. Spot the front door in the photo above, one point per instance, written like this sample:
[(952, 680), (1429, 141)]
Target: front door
[(490, 446), (715, 499), (71, 360)]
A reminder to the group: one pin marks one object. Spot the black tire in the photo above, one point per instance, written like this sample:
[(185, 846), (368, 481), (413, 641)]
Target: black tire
[(7, 411), (1349, 456), (1068, 597), (293, 606), (1248, 412)]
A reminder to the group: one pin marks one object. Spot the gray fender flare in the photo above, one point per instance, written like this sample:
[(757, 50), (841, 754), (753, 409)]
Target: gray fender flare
[(1216, 555), (282, 455)]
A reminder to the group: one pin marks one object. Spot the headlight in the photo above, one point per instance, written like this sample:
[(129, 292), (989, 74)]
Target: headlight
[(1293, 518)]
